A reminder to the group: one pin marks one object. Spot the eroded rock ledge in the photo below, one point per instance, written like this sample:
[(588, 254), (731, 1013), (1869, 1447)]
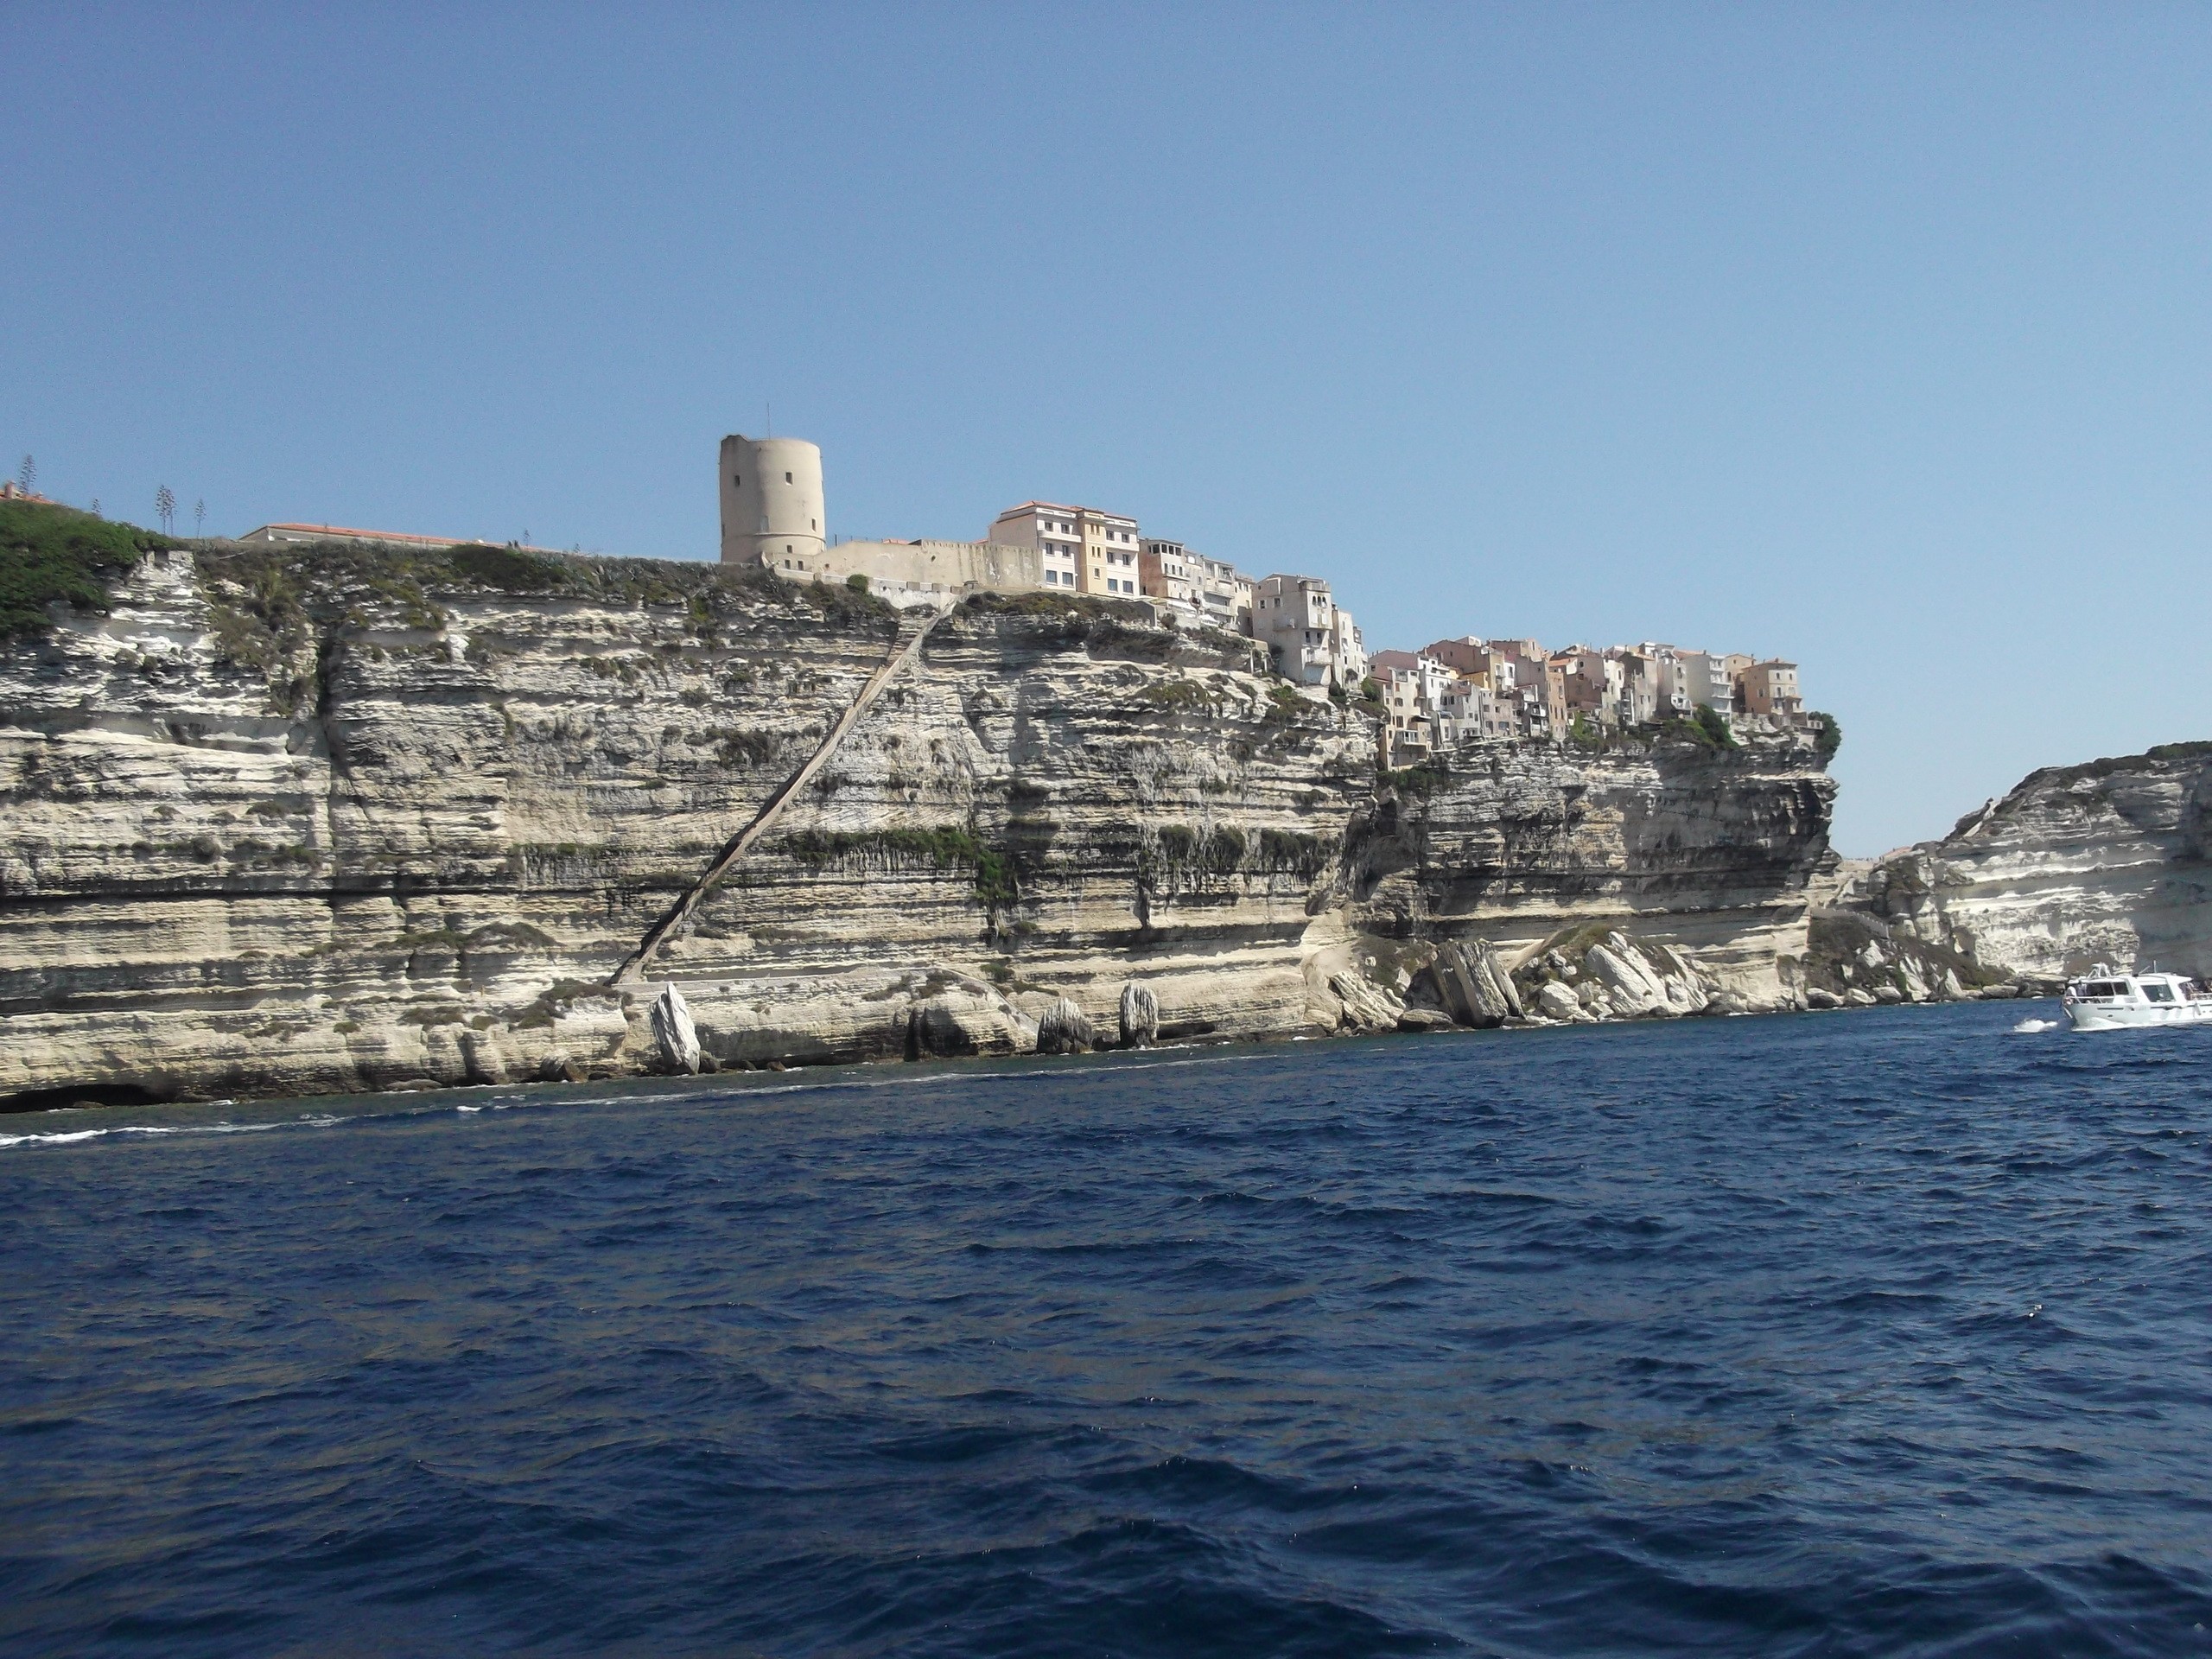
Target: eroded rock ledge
[(2100, 862), (293, 821)]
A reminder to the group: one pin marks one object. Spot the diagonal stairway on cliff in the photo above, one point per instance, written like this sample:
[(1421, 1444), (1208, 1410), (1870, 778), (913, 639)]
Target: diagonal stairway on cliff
[(904, 654)]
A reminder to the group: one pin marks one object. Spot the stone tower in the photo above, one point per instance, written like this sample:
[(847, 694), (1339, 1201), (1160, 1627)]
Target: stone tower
[(772, 503)]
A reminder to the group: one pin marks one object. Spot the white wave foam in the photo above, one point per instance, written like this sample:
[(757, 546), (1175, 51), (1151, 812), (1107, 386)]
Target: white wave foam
[(65, 1137), (2037, 1025)]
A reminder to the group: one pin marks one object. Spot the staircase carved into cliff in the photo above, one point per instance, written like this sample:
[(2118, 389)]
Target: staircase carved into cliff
[(903, 653)]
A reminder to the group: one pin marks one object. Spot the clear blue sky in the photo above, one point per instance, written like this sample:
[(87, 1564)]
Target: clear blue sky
[(1875, 336)]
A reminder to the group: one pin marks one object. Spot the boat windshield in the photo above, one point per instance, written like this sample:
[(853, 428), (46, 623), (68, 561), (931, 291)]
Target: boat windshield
[(2158, 993), (2104, 988)]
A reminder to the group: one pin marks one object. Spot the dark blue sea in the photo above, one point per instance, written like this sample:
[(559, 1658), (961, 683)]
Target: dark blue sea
[(1884, 1333)]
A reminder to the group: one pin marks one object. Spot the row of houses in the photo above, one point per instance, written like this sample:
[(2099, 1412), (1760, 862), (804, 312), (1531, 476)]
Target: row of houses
[(773, 509), (1457, 691), (1312, 639)]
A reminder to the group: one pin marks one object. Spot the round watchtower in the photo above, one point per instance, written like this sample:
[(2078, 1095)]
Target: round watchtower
[(772, 503)]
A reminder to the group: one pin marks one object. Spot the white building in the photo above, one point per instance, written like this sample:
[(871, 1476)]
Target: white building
[(265, 535), (1295, 617), (1703, 680), (1347, 650), (1054, 530), (1082, 548), (1313, 641), (1225, 594)]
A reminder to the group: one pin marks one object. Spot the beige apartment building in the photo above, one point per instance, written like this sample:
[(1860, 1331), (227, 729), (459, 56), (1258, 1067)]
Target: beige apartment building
[(1295, 617), (1054, 530), (1770, 688), (1644, 694), (1110, 547)]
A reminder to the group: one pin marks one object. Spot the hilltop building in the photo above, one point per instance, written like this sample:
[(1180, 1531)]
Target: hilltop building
[(1099, 549), (1469, 689), (1770, 688), (772, 511), (282, 535), (1054, 530), (1171, 572), (1312, 640), (1454, 691)]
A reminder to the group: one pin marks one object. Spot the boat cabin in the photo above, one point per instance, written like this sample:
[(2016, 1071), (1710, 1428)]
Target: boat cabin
[(2133, 990)]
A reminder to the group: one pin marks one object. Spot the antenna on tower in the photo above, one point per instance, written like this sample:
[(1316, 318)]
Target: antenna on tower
[(768, 420)]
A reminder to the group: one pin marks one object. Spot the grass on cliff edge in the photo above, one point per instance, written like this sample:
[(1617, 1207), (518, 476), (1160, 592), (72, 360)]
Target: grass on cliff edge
[(2106, 766), (53, 552)]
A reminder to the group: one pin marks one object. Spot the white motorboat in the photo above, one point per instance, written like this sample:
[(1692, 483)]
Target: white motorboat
[(2105, 1000)]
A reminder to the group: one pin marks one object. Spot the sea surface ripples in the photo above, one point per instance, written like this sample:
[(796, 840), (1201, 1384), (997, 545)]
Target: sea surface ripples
[(1877, 1333)]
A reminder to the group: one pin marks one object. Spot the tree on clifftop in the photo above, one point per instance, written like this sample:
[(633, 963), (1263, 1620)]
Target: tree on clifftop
[(165, 504)]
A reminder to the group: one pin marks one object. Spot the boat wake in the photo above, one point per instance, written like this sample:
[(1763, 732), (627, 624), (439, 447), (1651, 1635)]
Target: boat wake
[(2039, 1024)]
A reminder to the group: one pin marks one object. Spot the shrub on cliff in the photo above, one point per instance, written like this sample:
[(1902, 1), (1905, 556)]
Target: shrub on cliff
[(1177, 697), (1421, 781), (53, 552), (1828, 736), (945, 846), (508, 568), (1706, 728)]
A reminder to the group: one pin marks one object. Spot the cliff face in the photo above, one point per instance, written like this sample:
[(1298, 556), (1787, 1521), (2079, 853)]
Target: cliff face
[(1540, 852), (325, 819), (2100, 862)]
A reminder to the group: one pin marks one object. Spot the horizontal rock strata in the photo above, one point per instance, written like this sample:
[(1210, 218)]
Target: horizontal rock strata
[(1631, 869), (291, 821), (2101, 862)]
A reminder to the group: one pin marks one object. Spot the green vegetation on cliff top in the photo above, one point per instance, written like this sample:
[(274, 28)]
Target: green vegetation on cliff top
[(58, 553), (264, 594)]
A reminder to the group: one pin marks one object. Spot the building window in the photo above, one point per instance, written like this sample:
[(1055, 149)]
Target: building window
[(787, 478)]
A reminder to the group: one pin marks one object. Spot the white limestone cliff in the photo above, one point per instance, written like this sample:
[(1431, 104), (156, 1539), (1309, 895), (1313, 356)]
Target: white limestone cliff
[(315, 819), (2101, 862)]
